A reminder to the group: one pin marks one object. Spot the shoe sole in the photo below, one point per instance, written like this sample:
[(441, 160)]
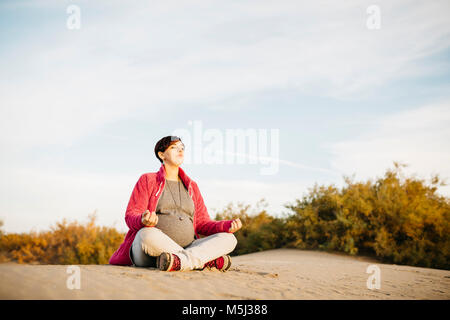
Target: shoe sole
[(164, 262), (226, 263)]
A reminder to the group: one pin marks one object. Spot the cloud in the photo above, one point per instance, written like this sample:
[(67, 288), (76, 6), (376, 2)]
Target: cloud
[(64, 84), (418, 137), (274, 162), (219, 193), (35, 199), (58, 86)]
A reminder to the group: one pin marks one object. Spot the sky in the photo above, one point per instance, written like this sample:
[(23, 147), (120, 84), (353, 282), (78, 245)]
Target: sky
[(329, 88)]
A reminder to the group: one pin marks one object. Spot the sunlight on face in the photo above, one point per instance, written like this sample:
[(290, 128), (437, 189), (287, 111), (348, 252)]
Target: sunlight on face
[(175, 153)]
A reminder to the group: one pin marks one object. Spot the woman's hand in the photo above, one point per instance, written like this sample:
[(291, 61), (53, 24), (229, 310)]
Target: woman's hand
[(149, 219), (235, 225)]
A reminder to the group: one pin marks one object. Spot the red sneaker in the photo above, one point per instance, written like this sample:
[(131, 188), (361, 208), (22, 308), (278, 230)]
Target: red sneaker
[(222, 263), (168, 262)]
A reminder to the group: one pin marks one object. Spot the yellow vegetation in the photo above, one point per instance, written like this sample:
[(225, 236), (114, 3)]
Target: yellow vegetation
[(66, 243), (395, 218)]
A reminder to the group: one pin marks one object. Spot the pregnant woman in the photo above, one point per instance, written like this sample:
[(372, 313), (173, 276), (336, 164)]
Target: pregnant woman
[(166, 216)]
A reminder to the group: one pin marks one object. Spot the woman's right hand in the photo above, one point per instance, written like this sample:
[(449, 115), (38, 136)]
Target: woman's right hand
[(149, 219)]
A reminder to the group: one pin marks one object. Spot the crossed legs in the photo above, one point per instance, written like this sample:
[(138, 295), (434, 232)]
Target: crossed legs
[(150, 242)]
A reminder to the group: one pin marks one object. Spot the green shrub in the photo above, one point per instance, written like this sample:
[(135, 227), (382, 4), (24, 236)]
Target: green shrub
[(399, 219), (259, 231)]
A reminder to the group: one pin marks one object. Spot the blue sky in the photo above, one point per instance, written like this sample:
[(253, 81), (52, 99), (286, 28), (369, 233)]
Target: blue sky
[(81, 110)]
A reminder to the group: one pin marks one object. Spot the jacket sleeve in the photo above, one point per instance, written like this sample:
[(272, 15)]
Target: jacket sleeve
[(138, 204), (206, 226)]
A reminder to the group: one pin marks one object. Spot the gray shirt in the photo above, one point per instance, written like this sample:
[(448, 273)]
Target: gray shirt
[(175, 210)]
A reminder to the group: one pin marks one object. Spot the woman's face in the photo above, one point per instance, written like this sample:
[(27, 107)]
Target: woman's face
[(174, 154)]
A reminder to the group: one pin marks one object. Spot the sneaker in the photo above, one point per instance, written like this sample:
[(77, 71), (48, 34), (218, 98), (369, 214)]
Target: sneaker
[(222, 263), (168, 262)]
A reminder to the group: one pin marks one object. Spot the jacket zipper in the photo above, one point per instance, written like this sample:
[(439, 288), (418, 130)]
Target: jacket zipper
[(156, 195), (159, 188), (189, 192)]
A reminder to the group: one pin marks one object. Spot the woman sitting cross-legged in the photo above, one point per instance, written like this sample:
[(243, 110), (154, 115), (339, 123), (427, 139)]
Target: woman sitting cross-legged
[(166, 216)]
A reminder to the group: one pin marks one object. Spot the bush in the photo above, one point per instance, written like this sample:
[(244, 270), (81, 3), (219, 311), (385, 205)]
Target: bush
[(66, 243), (399, 219), (259, 231)]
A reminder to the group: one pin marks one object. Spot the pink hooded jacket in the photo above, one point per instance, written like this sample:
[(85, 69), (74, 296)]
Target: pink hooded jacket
[(146, 194)]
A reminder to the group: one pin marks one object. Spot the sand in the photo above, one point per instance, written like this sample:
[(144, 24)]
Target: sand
[(273, 274)]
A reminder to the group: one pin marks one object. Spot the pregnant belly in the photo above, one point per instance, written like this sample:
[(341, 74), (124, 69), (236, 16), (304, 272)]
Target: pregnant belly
[(178, 227)]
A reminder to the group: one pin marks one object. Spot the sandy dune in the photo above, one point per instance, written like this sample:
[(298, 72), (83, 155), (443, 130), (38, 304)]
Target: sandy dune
[(273, 274)]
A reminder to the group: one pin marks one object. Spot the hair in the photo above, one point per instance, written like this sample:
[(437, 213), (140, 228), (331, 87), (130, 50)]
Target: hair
[(165, 143)]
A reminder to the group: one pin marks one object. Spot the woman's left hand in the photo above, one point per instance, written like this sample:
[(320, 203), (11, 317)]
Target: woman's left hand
[(235, 225)]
